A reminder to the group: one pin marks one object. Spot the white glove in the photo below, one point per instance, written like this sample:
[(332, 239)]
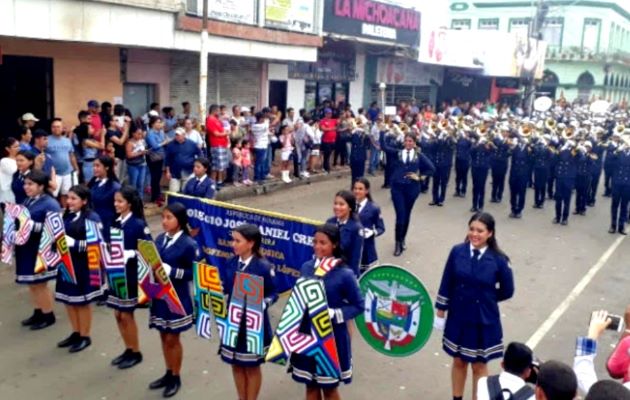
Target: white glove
[(167, 268), (366, 233), (70, 241), (331, 314), (439, 323), (129, 254)]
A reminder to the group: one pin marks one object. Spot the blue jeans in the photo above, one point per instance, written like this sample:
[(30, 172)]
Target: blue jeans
[(260, 165), (373, 160), (137, 175), (88, 170)]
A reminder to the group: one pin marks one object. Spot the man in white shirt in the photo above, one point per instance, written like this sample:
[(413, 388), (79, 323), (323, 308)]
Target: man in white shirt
[(517, 367)]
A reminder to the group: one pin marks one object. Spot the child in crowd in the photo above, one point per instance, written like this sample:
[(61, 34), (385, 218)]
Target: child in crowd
[(315, 159), (246, 161), (237, 162), (286, 141)]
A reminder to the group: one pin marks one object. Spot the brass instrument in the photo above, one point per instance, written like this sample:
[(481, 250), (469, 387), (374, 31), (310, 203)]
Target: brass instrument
[(620, 128), (551, 124), (568, 133)]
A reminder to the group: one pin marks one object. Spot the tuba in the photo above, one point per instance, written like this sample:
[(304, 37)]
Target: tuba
[(525, 131), (568, 133), (551, 124), (620, 128)]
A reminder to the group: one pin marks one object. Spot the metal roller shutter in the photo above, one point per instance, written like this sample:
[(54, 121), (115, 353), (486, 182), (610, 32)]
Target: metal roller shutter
[(397, 93)]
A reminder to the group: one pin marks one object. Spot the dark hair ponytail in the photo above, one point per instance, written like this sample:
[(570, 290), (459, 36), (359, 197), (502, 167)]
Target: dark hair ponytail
[(108, 163), (365, 183), (488, 220), (349, 198), (332, 232), (179, 212), (83, 193), (130, 194), (251, 233)]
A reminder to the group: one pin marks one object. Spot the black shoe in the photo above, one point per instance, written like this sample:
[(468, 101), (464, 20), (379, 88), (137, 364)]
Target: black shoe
[(162, 382), (591, 204), (518, 216), (45, 321), (403, 245), (480, 209), (131, 360), (536, 206), (613, 229), (494, 200), (556, 220), (433, 203), (398, 250), (582, 213), (172, 387), (622, 230), (474, 209), (440, 204), (33, 319), (385, 187), (606, 194), (70, 340), (456, 194), (121, 357), (576, 212), (564, 222), (81, 344)]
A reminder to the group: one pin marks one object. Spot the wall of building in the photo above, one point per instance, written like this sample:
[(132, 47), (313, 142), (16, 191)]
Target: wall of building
[(357, 87), (81, 72), (295, 87), (151, 66)]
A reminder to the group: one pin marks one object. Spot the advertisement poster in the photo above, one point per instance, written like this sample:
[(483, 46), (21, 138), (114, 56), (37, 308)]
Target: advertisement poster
[(239, 11), (294, 15)]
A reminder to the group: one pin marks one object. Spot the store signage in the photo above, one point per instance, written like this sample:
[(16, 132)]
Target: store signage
[(293, 15), (238, 11), (336, 63), (372, 20), (459, 6), (400, 71)]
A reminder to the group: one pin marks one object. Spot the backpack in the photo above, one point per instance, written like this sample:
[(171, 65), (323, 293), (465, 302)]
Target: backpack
[(496, 392)]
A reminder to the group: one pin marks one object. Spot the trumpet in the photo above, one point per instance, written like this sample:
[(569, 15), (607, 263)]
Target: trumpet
[(568, 133), (525, 131)]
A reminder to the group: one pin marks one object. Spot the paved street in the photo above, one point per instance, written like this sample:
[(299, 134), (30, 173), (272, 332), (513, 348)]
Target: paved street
[(548, 261)]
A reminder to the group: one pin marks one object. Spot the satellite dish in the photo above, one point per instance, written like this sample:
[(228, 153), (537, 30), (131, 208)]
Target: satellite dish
[(543, 104), (599, 107)]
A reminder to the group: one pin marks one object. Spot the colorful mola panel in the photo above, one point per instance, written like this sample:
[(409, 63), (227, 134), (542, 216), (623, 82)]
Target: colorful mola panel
[(93, 240), (153, 281), (55, 228), (307, 302), (245, 314), (114, 263), (11, 237), (209, 298)]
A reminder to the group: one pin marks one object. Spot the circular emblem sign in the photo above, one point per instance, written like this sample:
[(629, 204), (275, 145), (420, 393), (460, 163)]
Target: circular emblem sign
[(459, 6), (398, 316)]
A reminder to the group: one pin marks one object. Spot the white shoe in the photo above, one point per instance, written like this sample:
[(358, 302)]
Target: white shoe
[(305, 174), (285, 177)]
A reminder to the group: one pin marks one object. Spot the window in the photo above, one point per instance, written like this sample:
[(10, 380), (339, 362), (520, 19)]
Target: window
[(489, 23), (590, 34), (463, 24), (585, 84), (520, 26), (552, 31)]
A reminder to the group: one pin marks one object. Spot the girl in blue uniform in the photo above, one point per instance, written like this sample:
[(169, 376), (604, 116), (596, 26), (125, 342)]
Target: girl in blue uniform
[(360, 142), (77, 297), (370, 216), (345, 302), (25, 160), (350, 228), (248, 259), (200, 185), (178, 252), (411, 168), (103, 187), (476, 277), (39, 203), (131, 221)]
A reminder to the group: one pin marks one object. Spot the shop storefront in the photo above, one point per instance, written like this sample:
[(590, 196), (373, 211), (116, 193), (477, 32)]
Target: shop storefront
[(406, 80)]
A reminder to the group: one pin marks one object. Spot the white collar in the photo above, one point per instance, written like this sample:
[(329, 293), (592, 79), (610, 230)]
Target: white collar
[(77, 215), (481, 250), (246, 261), (363, 203), (203, 178), (515, 379), (340, 222), (101, 181), (123, 220), (173, 238)]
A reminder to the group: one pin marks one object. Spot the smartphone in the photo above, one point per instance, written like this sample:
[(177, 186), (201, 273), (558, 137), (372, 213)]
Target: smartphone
[(616, 323)]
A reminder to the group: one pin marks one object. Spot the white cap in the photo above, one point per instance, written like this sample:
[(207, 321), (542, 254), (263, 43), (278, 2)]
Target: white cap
[(588, 144), (29, 117), (245, 109), (153, 113), (180, 131)]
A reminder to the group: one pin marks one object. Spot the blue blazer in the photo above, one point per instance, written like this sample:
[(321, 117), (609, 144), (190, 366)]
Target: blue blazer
[(566, 165), (520, 162), (351, 242), (133, 229), (259, 267), (621, 176), (473, 296), (462, 149), (17, 186), (205, 189), (480, 156), (103, 202), (370, 217), (420, 164)]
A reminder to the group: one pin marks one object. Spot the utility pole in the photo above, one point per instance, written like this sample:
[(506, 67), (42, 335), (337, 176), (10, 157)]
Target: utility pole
[(536, 34), (203, 65)]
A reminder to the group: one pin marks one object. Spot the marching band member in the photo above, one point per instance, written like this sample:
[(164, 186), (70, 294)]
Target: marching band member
[(360, 143), (371, 220), (499, 163), (462, 163), (25, 161), (131, 221), (565, 173), (596, 171), (411, 168), (542, 155), (345, 302), (443, 160), (178, 252), (350, 229), (610, 163), (620, 190), (477, 276), (480, 154), (583, 177), (246, 242), (39, 203), (103, 187), (390, 145), (77, 297), (427, 143), (519, 176)]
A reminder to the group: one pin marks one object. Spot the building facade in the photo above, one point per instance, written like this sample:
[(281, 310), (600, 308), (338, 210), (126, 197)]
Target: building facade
[(588, 46)]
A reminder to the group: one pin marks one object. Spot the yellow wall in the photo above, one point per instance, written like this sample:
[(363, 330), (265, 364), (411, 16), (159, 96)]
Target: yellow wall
[(81, 72)]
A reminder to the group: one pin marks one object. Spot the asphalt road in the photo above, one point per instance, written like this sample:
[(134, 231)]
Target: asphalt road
[(548, 261)]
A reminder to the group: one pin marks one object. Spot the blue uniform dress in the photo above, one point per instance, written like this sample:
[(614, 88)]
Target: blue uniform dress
[(566, 171), (443, 160), (133, 229), (471, 288), (390, 146), (542, 156), (26, 254), (428, 148), (180, 252), (405, 190), (480, 162), (343, 295), (596, 173), (620, 190), (255, 266), (583, 183), (82, 293), (462, 165), (370, 217), (499, 166), (203, 187), (610, 165), (17, 186), (351, 241), (103, 192), (519, 177), (360, 143)]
